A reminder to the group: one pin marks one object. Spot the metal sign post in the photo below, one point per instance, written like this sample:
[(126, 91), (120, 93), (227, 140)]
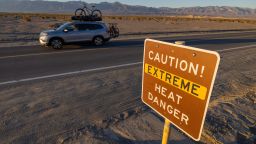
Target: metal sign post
[(166, 131)]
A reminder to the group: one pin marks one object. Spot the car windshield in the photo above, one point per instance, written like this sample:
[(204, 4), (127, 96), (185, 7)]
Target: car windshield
[(62, 26)]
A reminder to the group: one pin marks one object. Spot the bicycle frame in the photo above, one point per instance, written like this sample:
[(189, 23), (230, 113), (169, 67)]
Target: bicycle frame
[(91, 12), (88, 10)]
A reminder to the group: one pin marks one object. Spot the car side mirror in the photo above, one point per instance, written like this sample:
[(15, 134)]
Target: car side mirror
[(65, 30)]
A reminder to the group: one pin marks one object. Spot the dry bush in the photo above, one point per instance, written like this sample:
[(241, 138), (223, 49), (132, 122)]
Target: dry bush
[(18, 17), (27, 18)]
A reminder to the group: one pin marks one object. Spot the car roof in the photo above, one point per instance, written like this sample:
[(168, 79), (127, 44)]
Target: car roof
[(86, 22)]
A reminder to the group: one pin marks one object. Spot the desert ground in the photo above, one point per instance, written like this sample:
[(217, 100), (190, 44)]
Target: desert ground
[(105, 107)]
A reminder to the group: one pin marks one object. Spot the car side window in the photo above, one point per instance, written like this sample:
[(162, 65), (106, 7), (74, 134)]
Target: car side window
[(71, 28), (81, 27), (94, 26)]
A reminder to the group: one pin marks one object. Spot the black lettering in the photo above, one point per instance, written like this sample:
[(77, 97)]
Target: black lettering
[(175, 80), (155, 73), (168, 77), (149, 69), (194, 88), (184, 86), (162, 72)]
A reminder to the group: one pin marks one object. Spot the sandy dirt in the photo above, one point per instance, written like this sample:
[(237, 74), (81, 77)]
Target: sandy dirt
[(16, 31), (105, 107)]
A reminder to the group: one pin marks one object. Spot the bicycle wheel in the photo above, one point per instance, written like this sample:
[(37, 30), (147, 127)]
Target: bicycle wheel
[(97, 14), (80, 12), (116, 31), (111, 31)]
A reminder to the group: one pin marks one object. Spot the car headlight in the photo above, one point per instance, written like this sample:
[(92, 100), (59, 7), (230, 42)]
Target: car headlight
[(43, 34)]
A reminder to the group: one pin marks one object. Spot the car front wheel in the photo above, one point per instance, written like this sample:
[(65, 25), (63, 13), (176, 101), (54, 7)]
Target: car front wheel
[(56, 44), (98, 41)]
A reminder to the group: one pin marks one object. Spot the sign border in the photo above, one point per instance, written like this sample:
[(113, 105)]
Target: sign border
[(210, 90)]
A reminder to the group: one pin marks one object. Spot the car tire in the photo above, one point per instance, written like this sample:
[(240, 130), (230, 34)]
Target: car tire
[(56, 43), (98, 41)]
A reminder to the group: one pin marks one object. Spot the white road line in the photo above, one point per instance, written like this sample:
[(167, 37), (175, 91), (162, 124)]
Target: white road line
[(237, 48), (51, 53), (69, 73), (220, 38), (173, 34)]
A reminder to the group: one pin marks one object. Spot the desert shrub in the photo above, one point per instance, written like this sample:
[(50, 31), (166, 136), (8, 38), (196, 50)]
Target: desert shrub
[(47, 17), (63, 18), (149, 18), (119, 18), (17, 17), (132, 18), (67, 18), (27, 18), (54, 17), (112, 18)]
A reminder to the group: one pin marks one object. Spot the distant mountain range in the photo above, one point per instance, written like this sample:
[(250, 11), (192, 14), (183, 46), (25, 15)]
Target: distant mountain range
[(40, 6)]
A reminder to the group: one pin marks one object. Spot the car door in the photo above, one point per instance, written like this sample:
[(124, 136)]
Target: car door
[(70, 33), (84, 32), (94, 30)]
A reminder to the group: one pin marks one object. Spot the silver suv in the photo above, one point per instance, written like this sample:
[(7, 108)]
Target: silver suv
[(73, 32)]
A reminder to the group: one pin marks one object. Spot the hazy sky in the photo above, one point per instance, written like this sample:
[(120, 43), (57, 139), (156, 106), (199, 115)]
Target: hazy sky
[(181, 3)]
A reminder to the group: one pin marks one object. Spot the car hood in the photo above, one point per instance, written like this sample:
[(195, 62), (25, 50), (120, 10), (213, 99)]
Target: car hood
[(48, 31)]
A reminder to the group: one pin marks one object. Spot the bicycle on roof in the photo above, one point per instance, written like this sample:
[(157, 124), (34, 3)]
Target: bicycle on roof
[(85, 11)]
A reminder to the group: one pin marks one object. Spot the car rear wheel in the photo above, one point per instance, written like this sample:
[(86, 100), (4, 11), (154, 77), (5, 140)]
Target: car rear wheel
[(56, 44), (98, 41)]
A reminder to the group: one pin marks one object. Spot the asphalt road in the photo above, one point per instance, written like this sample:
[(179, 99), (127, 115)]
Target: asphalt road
[(28, 63)]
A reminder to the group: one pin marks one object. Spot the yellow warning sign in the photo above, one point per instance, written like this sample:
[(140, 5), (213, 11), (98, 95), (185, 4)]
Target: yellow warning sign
[(183, 84)]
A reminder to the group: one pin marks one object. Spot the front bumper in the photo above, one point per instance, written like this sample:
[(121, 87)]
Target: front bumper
[(43, 41)]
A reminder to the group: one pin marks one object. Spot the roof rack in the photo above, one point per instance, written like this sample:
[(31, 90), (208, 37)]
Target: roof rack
[(86, 18)]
